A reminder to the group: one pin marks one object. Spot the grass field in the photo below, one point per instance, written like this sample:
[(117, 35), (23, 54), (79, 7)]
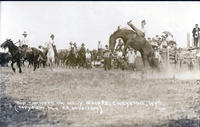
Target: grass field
[(80, 97)]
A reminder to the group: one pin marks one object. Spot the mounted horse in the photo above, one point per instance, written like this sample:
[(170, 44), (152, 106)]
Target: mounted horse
[(50, 54), (71, 58), (43, 55), (32, 55), (15, 53), (130, 38), (81, 58), (56, 57), (62, 56)]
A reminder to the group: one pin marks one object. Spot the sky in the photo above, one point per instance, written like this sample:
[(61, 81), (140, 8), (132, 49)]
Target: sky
[(89, 22)]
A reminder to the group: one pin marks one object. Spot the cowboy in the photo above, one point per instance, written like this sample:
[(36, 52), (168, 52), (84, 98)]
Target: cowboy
[(141, 32), (119, 46), (131, 59), (70, 45), (82, 55), (25, 40), (196, 33)]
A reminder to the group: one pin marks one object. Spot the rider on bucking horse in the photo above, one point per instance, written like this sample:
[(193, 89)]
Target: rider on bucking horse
[(141, 32)]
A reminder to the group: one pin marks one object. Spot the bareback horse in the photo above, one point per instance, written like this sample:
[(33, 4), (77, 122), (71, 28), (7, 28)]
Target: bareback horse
[(131, 39), (15, 53)]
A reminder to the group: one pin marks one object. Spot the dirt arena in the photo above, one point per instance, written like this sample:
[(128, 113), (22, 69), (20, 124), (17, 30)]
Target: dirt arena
[(97, 98)]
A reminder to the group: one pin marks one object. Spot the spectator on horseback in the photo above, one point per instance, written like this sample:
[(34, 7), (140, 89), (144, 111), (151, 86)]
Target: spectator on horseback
[(82, 56), (141, 32), (75, 49), (196, 33), (70, 45)]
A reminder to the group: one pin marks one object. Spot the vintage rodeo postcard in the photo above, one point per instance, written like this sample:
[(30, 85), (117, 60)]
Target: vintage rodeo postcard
[(99, 64)]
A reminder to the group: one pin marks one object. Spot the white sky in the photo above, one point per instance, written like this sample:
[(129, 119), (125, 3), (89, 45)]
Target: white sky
[(88, 22)]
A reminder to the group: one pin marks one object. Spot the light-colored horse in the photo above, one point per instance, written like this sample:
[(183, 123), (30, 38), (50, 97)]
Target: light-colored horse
[(50, 55)]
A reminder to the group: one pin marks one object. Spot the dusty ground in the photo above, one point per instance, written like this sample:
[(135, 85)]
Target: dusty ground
[(120, 98)]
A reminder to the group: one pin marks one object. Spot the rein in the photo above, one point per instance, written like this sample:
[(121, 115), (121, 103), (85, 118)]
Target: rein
[(16, 42)]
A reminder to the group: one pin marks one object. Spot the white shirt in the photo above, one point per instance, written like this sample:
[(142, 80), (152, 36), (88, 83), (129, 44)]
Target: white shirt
[(119, 54), (169, 38), (198, 54), (88, 56), (24, 42), (100, 46), (138, 54), (157, 55), (131, 57)]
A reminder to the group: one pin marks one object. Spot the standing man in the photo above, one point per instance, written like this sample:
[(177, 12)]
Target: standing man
[(180, 59), (196, 33), (100, 48), (157, 57), (88, 59), (131, 59), (107, 61)]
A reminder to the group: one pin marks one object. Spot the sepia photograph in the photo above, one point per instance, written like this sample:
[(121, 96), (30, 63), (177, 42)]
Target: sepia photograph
[(99, 64)]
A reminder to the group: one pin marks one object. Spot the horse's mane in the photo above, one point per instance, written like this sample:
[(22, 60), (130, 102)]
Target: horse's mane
[(14, 46)]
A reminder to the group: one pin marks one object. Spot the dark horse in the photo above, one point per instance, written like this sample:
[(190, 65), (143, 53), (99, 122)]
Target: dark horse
[(33, 56), (15, 53), (131, 39)]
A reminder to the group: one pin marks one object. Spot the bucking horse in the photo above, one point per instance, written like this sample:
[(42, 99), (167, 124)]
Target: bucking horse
[(131, 39)]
